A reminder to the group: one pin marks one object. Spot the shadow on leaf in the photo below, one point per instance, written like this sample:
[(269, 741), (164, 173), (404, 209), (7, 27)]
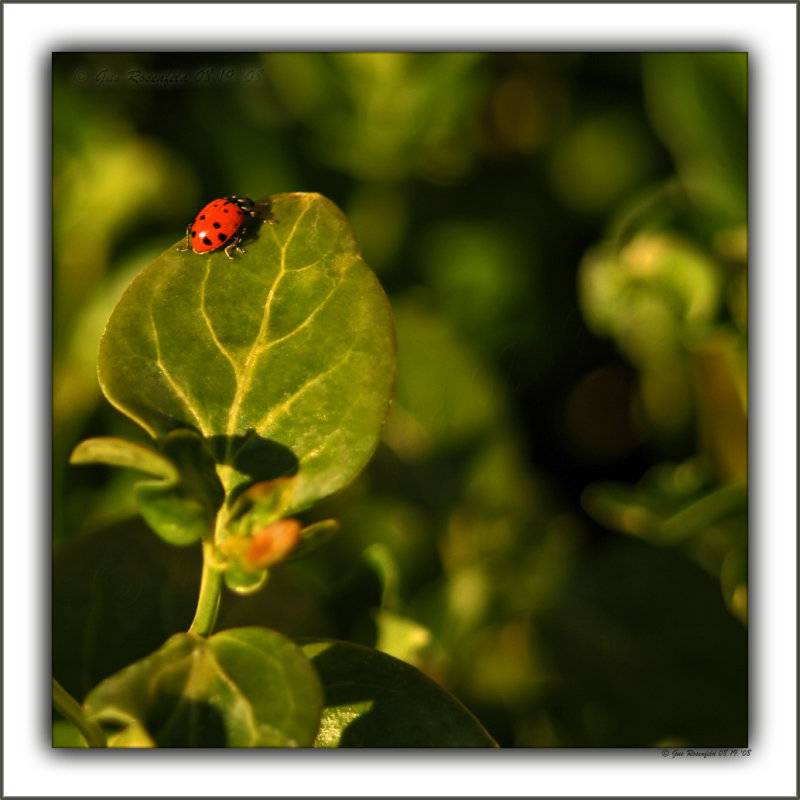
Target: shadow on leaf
[(180, 721), (255, 458)]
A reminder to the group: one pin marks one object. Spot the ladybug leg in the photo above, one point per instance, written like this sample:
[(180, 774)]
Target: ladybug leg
[(234, 245), (268, 220), (188, 240)]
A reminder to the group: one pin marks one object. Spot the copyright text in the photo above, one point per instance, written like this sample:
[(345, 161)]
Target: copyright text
[(688, 752)]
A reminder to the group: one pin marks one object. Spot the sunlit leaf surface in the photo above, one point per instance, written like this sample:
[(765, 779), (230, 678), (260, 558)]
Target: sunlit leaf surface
[(282, 359)]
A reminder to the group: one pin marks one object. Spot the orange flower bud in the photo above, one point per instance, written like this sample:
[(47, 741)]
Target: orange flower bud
[(273, 543)]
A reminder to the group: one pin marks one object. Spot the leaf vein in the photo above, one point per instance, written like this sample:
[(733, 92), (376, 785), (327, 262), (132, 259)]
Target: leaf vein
[(281, 668), (243, 379), (236, 690), (269, 419), (173, 384), (210, 327), (307, 321)]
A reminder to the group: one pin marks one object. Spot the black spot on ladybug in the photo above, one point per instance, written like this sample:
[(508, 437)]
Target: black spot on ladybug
[(222, 237), (225, 210), (207, 241), (194, 233), (202, 216), (217, 225)]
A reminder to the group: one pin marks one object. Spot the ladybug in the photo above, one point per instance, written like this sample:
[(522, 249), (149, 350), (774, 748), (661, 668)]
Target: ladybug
[(221, 223)]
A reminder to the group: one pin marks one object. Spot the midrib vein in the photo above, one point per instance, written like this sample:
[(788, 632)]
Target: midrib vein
[(245, 376), (210, 327)]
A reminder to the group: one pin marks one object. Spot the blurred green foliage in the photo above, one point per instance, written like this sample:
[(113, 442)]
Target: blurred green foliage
[(555, 526)]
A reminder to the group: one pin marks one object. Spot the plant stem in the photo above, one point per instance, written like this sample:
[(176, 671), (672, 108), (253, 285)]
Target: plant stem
[(69, 708), (208, 600)]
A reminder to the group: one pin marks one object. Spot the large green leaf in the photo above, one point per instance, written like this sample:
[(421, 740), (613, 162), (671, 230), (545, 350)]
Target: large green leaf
[(375, 700), (282, 359), (246, 687)]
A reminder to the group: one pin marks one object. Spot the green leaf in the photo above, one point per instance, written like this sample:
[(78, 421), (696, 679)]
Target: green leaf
[(313, 537), (283, 359), (279, 681), (182, 505), (374, 700), (656, 511), (184, 511), (247, 687), (122, 453), (242, 581), (65, 734)]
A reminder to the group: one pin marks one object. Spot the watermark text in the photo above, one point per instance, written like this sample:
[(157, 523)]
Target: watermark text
[(688, 752), (106, 77)]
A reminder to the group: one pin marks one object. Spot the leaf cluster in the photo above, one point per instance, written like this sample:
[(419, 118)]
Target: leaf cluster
[(263, 384)]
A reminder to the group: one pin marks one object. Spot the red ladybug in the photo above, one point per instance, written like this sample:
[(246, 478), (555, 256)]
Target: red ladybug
[(221, 223)]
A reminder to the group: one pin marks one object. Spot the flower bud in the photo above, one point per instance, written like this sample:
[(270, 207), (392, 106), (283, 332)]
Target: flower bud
[(272, 544)]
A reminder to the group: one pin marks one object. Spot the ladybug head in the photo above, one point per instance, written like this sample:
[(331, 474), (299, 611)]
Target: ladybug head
[(244, 203)]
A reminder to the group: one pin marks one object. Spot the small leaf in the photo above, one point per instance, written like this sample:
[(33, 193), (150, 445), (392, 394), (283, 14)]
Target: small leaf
[(182, 505), (283, 359), (122, 453), (247, 687), (183, 511), (314, 536), (374, 700), (243, 581)]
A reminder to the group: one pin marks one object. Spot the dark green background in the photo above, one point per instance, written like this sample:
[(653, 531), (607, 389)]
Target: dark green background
[(555, 527)]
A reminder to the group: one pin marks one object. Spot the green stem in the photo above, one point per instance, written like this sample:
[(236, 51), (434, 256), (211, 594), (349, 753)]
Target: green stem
[(68, 707), (208, 600)]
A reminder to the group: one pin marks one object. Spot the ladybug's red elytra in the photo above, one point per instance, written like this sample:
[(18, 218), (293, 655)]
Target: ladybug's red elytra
[(221, 223)]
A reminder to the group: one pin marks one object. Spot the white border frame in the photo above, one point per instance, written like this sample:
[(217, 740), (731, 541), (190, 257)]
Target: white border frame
[(766, 31)]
